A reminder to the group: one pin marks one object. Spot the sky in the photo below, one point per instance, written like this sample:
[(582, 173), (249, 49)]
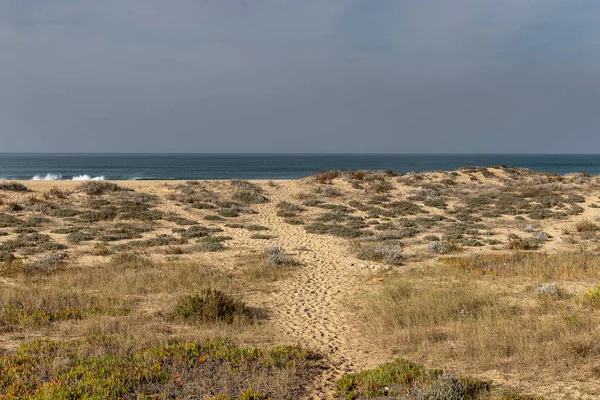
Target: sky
[(391, 76)]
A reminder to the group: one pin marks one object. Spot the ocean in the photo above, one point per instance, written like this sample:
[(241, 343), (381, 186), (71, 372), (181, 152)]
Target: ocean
[(265, 166)]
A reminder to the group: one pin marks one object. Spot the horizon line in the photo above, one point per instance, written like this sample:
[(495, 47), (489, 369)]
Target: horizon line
[(300, 154)]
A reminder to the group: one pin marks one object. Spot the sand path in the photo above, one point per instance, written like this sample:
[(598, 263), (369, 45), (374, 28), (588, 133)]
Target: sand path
[(310, 308)]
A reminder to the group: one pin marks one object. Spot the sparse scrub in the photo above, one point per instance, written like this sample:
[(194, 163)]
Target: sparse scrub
[(390, 254)]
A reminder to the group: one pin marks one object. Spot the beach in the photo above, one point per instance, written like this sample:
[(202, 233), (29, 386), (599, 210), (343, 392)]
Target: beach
[(489, 273)]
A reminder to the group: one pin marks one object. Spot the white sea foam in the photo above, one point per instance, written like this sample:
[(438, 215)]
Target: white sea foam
[(87, 178), (48, 177)]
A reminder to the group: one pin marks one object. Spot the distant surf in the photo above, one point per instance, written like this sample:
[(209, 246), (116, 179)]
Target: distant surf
[(56, 177)]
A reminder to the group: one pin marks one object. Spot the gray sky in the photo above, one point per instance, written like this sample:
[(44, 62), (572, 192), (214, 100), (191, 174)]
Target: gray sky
[(300, 76)]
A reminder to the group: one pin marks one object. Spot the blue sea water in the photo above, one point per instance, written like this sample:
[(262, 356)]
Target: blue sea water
[(265, 166)]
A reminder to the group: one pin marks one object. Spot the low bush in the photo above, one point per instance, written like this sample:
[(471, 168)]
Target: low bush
[(277, 256), (336, 230), (405, 379), (250, 197), (210, 244), (327, 191), (97, 188), (261, 236), (210, 306), (390, 254), (13, 187), (443, 246), (326, 177), (256, 228), (518, 243)]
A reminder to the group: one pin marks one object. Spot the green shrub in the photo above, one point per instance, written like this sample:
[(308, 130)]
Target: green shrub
[(211, 306), (175, 370), (402, 377)]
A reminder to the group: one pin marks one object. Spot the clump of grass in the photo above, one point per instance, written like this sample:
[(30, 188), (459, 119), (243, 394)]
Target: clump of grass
[(228, 213), (211, 306), (326, 177), (312, 202), (443, 246), (550, 291), (101, 249), (8, 221), (179, 220), (55, 193), (213, 218), (336, 230), (196, 231), (585, 225), (291, 207), (245, 185), (541, 237), (379, 186), (13, 187), (277, 256), (390, 254), (293, 221), (327, 191), (31, 244), (254, 227), (159, 240), (516, 242), (261, 236), (210, 244), (250, 197), (97, 188)]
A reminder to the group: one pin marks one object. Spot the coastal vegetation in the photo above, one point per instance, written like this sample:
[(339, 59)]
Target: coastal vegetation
[(480, 283)]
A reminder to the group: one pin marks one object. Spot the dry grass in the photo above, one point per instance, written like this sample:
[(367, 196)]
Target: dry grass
[(532, 265), (489, 313)]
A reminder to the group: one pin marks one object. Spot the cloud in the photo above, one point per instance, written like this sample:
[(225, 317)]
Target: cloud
[(314, 75)]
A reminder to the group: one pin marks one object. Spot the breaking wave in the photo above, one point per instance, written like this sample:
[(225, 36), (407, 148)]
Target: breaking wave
[(87, 178), (57, 177), (48, 177)]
